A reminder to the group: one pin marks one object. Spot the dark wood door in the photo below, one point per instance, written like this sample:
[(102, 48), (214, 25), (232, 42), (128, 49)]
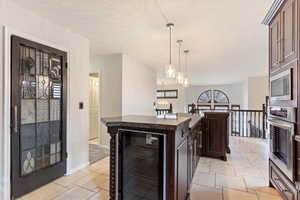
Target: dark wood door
[(289, 31), (275, 44), (38, 115), (182, 170)]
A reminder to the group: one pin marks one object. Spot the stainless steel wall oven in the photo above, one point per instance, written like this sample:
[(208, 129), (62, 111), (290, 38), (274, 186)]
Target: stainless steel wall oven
[(282, 131)]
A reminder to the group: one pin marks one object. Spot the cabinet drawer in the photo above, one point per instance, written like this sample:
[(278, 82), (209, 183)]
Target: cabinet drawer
[(282, 184)]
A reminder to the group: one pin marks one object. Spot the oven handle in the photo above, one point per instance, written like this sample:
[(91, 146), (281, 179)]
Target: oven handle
[(281, 124)]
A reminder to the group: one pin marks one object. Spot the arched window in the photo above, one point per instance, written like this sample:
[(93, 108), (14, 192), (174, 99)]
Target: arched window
[(205, 97), (220, 97), (215, 96)]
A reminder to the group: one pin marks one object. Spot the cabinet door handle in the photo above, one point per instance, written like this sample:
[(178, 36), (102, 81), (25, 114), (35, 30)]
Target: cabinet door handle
[(16, 119)]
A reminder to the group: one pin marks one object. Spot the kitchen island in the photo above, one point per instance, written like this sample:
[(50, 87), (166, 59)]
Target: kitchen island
[(151, 158)]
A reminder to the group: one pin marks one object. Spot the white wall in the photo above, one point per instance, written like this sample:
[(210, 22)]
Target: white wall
[(258, 89), (42, 30), (179, 104), (139, 86), (3, 179), (110, 69), (126, 87), (234, 92), (245, 94), (250, 94)]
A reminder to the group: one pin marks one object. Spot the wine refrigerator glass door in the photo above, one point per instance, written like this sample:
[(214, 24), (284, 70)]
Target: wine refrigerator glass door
[(142, 165)]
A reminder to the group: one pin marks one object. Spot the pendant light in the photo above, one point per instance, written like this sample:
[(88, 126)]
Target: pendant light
[(170, 69), (180, 75), (186, 81)]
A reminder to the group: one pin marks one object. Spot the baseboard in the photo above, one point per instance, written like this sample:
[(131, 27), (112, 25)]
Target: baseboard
[(72, 171)]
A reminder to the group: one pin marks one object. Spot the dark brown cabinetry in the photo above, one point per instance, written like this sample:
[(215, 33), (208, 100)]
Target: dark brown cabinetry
[(283, 22), (182, 170), (283, 50), (283, 36), (151, 158), (289, 22), (194, 149), (215, 135), (275, 44)]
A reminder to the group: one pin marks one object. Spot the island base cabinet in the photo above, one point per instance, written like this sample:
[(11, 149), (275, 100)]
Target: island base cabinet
[(215, 135), (150, 158), (182, 171)]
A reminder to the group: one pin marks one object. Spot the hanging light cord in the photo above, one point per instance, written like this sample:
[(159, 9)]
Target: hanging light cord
[(161, 11), (170, 61), (179, 56), (186, 62)]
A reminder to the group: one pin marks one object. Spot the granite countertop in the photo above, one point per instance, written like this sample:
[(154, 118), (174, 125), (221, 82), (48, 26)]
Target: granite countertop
[(151, 121), (194, 119)]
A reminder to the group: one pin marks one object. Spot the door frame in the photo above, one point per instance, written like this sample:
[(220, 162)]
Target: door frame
[(8, 32)]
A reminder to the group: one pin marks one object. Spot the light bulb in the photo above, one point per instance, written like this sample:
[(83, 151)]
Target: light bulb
[(186, 82), (180, 78), (170, 71)]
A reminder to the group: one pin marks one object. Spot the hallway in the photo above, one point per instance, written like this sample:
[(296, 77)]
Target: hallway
[(243, 177)]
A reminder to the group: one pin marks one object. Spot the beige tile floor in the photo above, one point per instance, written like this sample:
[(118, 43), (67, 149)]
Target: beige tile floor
[(94, 141), (243, 177)]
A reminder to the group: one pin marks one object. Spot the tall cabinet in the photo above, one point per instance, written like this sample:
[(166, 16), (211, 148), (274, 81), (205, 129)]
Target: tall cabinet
[(283, 22), (283, 36)]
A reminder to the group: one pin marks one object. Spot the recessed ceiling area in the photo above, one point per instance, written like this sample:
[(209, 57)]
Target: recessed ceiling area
[(226, 39)]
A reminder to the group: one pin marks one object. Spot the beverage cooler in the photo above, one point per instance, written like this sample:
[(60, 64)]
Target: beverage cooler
[(142, 165)]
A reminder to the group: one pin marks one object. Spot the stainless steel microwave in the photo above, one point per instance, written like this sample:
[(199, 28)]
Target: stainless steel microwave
[(281, 86)]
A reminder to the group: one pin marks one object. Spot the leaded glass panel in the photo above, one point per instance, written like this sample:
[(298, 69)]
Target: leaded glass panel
[(41, 91), (42, 110), (27, 136), (205, 97), (43, 87), (28, 161), (28, 111)]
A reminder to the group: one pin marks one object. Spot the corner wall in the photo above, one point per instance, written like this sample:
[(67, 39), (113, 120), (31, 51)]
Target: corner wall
[(258, 89), (180, 104), (138, 88), (250, 94), (127, 87), (110, 69), (234, 92)]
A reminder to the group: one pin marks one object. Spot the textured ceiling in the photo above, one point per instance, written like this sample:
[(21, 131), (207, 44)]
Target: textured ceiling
[(226, 38)]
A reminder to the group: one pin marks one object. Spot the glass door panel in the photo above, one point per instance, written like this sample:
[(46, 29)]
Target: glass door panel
[(38, 139)]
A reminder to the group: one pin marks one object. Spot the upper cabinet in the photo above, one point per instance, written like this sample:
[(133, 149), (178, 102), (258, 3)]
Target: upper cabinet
[(289, 31), (283, 36), (275, 44)]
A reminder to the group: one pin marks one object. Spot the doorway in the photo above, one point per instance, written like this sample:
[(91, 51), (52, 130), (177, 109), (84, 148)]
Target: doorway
[(38, 115), (94, 111), (96, 151)]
